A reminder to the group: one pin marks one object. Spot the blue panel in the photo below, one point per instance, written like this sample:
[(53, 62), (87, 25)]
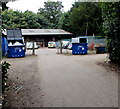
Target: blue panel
[(78, 48), (4, 46), (16, 51)]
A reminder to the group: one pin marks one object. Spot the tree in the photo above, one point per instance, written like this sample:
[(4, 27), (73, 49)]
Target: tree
[(11, 19), (64, 22), (86, 18), (52, 11), (43, 21), (31, 19), (111, 27)]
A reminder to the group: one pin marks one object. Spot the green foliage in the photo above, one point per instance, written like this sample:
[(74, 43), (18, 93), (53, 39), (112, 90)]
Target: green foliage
[(27, 20), (47, 17), (85, 18), (64, 22), (30, 20), (52, 11), (5, 67), (111, 27), (11, 19)]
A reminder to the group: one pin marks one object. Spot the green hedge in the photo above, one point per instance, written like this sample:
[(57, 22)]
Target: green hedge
[(111, 27)]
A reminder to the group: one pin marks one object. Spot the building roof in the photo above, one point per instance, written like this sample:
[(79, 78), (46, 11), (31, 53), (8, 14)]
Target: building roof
[(43, 32), (7, 0)]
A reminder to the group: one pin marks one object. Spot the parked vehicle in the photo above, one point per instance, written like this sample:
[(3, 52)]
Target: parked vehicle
[(51, 44), (29, 45), (39, 44), (70, 46), (65, 44)]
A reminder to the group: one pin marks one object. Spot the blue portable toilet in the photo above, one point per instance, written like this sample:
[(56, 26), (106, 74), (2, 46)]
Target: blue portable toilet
[(79, 45), (4, 46), (16, 46)]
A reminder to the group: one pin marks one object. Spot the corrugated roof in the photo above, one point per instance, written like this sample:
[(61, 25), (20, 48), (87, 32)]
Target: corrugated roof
[(43, 32), (7, 0)]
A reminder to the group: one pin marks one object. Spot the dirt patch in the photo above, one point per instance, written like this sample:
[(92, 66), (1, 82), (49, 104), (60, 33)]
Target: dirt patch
[(66, 54), (23, 82), (13, 92), (110, 66)]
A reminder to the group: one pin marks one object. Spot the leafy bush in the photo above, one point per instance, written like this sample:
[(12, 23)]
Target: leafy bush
[(111, 27), (5, 67)]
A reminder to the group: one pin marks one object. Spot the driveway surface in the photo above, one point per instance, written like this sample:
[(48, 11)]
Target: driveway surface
[(58, 80)]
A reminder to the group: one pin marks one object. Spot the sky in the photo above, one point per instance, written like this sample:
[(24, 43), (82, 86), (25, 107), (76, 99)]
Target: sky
[(34, 5)]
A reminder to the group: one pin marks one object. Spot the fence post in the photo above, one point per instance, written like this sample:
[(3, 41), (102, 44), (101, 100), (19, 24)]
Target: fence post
[(61, 47), (33, 49)]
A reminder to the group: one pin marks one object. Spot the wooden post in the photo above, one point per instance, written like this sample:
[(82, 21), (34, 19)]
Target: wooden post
[(61, 47), (43, 42), (25, 46), (57, 46), (33, 49)]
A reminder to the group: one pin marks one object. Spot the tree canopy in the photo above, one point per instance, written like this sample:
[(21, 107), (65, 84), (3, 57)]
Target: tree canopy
[(85, 18), (64, 22), (47, 17), (52, 11), (24, 20)]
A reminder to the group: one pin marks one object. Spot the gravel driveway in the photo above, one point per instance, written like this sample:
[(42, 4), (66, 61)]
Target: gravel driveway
[(58, 80)]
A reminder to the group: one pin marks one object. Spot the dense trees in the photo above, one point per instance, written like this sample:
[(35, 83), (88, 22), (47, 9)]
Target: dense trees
[(47, 17), (85, 18), (64, 22), (82, 19), (16, 19)]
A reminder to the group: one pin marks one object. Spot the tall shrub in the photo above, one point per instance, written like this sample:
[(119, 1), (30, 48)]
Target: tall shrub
[(111, 27)]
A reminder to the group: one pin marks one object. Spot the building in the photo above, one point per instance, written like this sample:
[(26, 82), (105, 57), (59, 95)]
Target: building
[(42, 36)]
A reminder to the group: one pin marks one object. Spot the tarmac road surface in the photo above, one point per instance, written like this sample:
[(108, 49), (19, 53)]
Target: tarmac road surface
[(58, 80)]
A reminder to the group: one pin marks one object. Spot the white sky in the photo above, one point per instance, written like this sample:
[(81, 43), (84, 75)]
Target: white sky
[(34, 5)]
